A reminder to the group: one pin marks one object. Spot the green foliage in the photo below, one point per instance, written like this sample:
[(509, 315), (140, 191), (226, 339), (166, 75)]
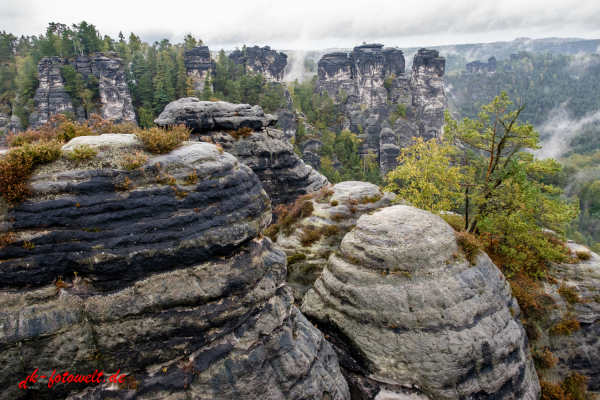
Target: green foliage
[(162, 141), (505, 189), (425, 178), (82, 153)]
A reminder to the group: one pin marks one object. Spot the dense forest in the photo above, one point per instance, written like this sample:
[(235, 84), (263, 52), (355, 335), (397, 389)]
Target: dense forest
[(545, 83), (156, 72)]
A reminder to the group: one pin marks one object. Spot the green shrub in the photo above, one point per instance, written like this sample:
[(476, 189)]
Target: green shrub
[(271, 232), (295, 258), (330, 230), (162, 141), (334, 203), (81, 153), (584, 255), (457, 222)]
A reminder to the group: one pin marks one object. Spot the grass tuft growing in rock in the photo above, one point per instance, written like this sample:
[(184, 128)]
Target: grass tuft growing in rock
[(469, 244), (569, 294), (82, 153), (287, 216), (583, 255), (457, 222), (295, 258), (565, 327), (310, 236), (134, 160), (271, 232), (534, 302)]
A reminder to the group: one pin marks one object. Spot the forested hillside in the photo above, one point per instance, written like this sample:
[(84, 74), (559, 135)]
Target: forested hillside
[(558, 90), (155, 71)]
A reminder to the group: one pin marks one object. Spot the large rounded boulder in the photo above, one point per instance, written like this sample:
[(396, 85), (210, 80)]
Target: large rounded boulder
[(158, 274), (409, 316)]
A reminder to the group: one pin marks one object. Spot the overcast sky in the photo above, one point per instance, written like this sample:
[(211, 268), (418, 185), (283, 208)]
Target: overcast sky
[(314, 24)]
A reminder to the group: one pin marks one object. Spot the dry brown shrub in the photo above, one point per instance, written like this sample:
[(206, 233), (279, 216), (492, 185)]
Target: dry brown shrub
[(534, 302), (337, 217), (271, 232), (583, 255), (287, 216), (134, 160), (469, 244), (569, 294), (544, 359), (565, 327), (331, 230), (241, 133), (163, 141), (552, 391), (309, 236), (129, 383), (191, 178)]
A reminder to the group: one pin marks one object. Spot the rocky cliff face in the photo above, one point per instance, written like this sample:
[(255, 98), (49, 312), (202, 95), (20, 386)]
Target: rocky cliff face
[(411, 318), (114, 92), (336, 211), (283, 175), (261, 60), (50, 97), (198, 64), (115, 98), (478, 67), (578, 351), (370, 104), (166, 283)]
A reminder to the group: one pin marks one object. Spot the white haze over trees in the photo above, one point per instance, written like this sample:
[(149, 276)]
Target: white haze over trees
[(312, 24)]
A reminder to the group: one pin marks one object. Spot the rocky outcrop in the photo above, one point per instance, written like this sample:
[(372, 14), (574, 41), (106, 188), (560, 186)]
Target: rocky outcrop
[(198, 64), (202, 116), (428, 97), (166, 283), (410, 318), (261, 60), (50, 97), (335, 213), (386, 116), (478, 67), (578, 351), (114, 92), (284, 176)]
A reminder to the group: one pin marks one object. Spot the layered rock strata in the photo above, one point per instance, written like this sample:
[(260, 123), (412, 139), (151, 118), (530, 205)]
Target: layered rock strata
[(283, 175), (261, 60), (337, 212), (578, 351), (165, 283), (50, 97), (202, 116), (411, 318), (198, 64), (478, 67)]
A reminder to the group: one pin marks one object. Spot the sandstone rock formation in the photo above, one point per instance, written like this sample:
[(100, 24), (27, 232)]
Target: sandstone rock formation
[(114, 92), (478, 67), (166, 283), (261, 60), (202, 116), (115, 98), (370, 103), (284, 176), (410, 318), (50, 97), (198, 64), (335, 213), (578, 351)]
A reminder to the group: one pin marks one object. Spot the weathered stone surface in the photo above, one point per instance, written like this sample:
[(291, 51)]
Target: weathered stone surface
[(579, 351), (478, 67), (401, 310), (203, 116), (370, 103), (198, 64), (428, 96), (283, 175), (114, 92), (50, 97), (174, 291), (261, 60), (353, 200)]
